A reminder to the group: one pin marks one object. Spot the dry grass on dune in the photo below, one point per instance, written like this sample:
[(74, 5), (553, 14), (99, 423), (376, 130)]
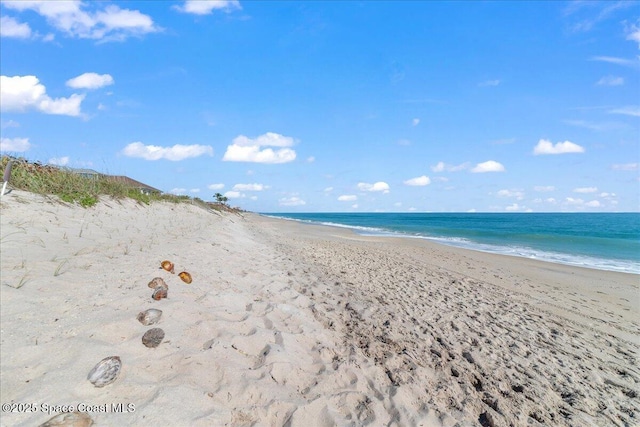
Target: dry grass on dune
[(72, 187)]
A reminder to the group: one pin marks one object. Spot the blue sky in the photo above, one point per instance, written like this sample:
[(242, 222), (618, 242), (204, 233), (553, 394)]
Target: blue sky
[(334, 106)]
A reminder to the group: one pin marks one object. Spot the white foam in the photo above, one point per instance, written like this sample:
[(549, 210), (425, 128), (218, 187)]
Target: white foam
[(625, 266)]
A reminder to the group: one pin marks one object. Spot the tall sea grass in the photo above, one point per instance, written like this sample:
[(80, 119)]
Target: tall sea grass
[(72, 187)]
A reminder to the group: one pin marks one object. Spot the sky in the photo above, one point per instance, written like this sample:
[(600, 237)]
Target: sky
[(334, 106)]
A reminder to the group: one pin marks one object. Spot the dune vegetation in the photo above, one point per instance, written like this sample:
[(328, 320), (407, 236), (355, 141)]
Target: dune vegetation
[(73, 187)]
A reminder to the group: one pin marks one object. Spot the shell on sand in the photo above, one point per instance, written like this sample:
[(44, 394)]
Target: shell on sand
[(160, 293), (186, 277), (153, 337), (168, 265), (162, 286), (69, 419), (105, 372), (157, 281), (150, 316)]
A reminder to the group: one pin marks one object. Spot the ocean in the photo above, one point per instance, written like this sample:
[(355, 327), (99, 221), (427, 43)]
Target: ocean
[(605, 241)]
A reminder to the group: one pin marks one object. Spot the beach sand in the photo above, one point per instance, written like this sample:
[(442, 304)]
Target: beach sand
[(289, 324)]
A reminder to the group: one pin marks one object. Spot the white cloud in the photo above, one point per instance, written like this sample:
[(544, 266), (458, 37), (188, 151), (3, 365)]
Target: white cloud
[(347, 198), (616, 60), (250, 187), (544, 188), (443, 167), (206, 7), (440, 167), (244, 149), (601, 126), (518, 194), (9, 124), (253, 154), (106, 24), (354, 206), (486, 83), (234, 195), (122, 23), (592, 13), (419, 181), (178, 191), (311, 159), (415, 122), (610, 81), (488, 166), (625, 167), (22, 93), (579, 203), (175, 153), (627, 111), (572, 201), (397, 204), (90, 81), (585, 190), (17, 145), (215, 186), (328, 189), (194, 190), (9, 27), (269, 139), (59, 161), (633, 33), (291, 201), (512, 208), (62, 106), (378, 186), (546, 147)]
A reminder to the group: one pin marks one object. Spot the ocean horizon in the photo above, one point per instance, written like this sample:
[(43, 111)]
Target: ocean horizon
[(604, 241)]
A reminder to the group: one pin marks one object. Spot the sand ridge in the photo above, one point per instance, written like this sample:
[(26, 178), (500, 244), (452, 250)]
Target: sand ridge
[(242, 346)]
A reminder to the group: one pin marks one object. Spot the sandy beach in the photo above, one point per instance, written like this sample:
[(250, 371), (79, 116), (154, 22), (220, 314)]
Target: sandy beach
[(290, 324)]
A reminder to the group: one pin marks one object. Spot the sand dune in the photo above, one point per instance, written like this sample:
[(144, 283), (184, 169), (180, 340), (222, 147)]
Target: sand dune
[(288, 324)]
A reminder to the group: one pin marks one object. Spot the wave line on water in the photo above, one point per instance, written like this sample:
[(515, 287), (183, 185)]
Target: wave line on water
[(579, 260)]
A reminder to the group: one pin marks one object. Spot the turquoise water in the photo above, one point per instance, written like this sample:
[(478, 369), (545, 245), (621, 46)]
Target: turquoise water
[(606, 241)]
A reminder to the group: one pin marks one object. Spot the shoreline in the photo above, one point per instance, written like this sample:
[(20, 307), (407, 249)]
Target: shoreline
[(303, 325), (475, 246), (551, 325), (622, 285)]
